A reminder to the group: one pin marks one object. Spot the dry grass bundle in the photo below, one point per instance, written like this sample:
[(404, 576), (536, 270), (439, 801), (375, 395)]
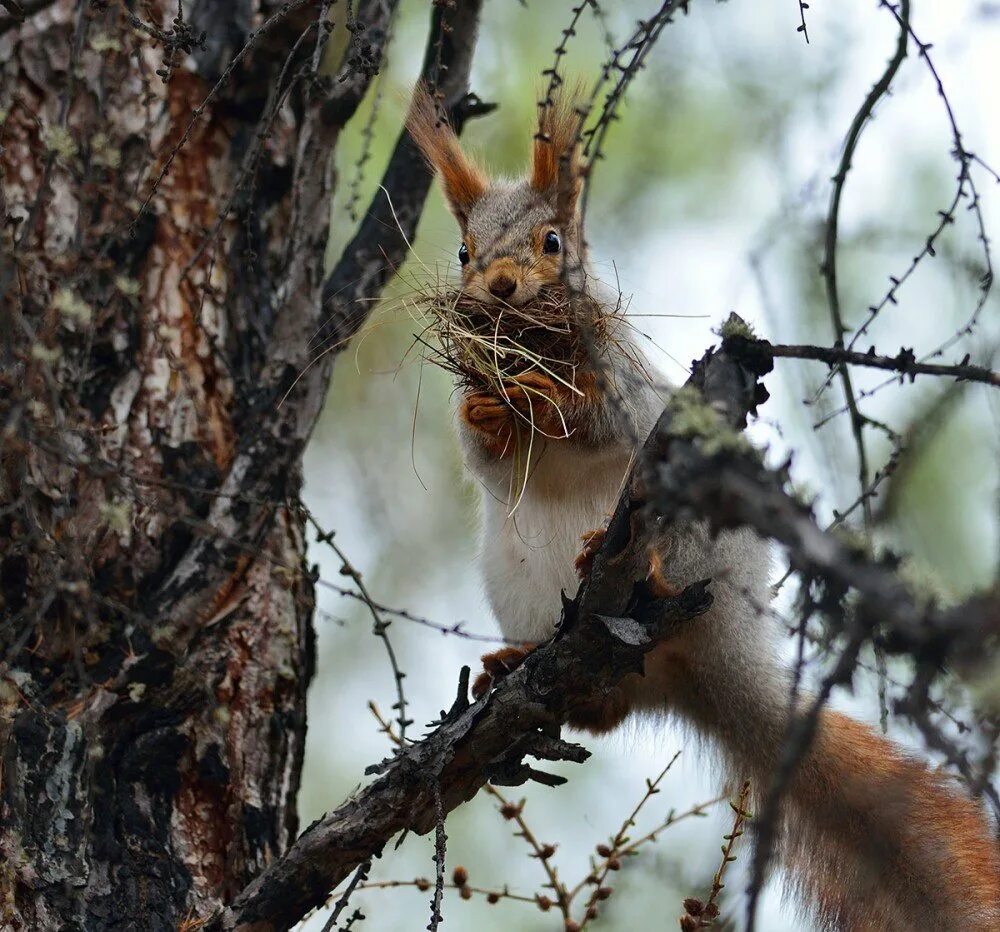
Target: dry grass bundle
[(485, 345)]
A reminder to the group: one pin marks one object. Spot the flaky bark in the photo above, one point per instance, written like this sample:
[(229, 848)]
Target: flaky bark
[(164, 204)]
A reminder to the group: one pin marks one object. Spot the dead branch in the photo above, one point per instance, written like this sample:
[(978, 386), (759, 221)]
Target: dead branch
[(904, 362), (603, 635)]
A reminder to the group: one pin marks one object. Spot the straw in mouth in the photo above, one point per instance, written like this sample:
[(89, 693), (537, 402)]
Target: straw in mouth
[(485, 345)]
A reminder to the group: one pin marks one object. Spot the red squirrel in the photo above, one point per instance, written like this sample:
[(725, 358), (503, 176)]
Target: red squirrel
[(871, 837)]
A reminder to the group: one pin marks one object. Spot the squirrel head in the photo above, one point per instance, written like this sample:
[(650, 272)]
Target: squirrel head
[(517, 236)]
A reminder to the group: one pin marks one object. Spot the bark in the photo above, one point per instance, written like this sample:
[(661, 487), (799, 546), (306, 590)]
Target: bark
[(164, 202)]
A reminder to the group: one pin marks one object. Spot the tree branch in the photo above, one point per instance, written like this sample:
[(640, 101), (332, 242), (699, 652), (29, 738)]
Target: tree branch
[(733, 488), (382, 241), (603, 635), (904, 362)]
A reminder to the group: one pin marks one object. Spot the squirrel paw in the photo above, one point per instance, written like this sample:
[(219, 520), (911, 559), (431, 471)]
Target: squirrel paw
[(493, 420), (498, 664), (592, 541), (656, 582), (533, 398)]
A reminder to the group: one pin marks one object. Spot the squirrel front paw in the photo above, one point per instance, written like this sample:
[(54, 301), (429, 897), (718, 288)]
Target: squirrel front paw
[(498, 664), (531, 400)]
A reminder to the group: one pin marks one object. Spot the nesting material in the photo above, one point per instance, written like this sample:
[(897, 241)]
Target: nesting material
[(485, 345)]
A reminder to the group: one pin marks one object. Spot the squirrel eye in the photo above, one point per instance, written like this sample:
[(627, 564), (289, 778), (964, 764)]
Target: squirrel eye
[(463, 254), (552, 243)]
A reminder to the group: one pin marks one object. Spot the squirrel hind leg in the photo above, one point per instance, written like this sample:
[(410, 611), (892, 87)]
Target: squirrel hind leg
[(601, 714)]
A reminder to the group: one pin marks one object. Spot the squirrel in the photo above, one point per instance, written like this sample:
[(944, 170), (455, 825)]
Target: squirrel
[(871, 837)]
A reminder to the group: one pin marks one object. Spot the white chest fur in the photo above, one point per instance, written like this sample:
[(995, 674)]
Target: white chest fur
[(528, 555)]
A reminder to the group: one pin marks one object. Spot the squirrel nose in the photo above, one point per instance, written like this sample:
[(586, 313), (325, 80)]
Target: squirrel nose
[(503, 286)]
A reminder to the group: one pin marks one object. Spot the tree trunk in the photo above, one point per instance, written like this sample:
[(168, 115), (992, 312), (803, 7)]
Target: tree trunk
[(164, 204)]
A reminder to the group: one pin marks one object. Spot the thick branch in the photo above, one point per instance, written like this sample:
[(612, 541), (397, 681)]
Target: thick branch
[(733, 488), (471, 745), (381, 243), (604, 634)]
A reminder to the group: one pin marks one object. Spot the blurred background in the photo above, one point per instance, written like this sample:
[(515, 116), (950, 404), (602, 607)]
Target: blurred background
[(711, 199)]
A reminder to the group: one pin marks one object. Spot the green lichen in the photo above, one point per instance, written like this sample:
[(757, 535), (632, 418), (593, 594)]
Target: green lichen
[(984, 687), (127, 286), (59, 142), (851, 537), (39, 411), (103, 153), (4, 113), (926, 585), (803, 493), (734, 327), (694, 419), (72, 306), (117, 516), (103, 42), (43, 353)]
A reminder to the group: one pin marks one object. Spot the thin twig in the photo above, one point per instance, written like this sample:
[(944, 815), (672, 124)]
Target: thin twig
[(904, 362), (440, 841), (541, 851), (358, 880), (380, 626)]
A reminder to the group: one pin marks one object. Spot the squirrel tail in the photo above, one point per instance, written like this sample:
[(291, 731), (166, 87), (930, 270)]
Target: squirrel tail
[(877, 840)]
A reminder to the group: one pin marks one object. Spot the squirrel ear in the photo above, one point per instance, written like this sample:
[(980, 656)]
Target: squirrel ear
[(556, 169), (463, 181)]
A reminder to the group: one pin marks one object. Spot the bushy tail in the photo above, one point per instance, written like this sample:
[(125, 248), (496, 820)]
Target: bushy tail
[(879, 841)]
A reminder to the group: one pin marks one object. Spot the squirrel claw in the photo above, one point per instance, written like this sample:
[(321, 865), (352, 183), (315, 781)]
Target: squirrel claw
[(656, 582), (592, 541), (498, 664)]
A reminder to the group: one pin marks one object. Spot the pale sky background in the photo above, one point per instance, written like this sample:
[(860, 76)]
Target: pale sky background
[(723, 154)]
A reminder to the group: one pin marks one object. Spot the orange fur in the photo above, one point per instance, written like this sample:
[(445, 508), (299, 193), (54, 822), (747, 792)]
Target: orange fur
[(656, 581), (556, 152), (498, 664), (882, 842), (533, 401), (463, 181), (602, 714), (592, 542)]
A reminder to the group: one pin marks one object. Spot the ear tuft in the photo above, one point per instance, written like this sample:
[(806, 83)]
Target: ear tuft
[(555, 160), (463, 181)]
